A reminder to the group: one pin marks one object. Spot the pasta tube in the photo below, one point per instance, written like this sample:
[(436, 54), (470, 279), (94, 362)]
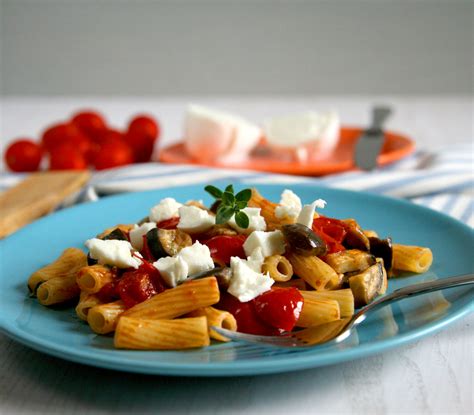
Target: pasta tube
[(344, 298), (58, 290), (103, 318), (314, 271), (294, 282), (178, 301), (278, 267), (86, 302), (216, 318), (144, 334), (92, 278), (315, 312), (267, 210), (412, 258), (69, 262)]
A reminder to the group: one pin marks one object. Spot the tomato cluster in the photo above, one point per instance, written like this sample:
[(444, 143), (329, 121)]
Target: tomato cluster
[(86, 141)]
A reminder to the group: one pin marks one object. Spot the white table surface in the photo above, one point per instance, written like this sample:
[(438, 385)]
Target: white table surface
[(430, 376)]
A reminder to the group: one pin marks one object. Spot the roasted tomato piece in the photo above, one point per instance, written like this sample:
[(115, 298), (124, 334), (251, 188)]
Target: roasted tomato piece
[(223, 247), (280, 307), (108, 292), (332, 231), (168, 223), (246, 316), (139, 285)]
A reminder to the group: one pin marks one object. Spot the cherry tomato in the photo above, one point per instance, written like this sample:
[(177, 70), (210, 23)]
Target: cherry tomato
[(23, 155), (66, 157), (223, 247), (59, 134), (142, 145), (332, 231), (247, 318), (280, 307), (109, 135), (139, 285), (90, 123), (168, 223), (112, 154), (145, 126)]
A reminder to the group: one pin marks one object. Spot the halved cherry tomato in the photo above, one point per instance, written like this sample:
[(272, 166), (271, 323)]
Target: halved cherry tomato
[(139, 285), (108, 292), (142, 145), (144, 125), (223, 247), (113, 154), (332, 231), (247, 318), (171, 223), (23, 155), (66, 157), (280, 307), (90, 123)]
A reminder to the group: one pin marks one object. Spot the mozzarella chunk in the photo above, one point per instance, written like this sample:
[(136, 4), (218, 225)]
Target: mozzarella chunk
[(271, 243), (290, 205), (137, 233), (173, 270), (211, 134), (195, 220), (113, 252), (166, 209), (198, 258), (307, 213), (256, 221), (256, 259), (303, 128), (247, 283)]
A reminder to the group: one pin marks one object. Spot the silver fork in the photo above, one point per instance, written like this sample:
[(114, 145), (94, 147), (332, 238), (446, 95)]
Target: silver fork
[(339, 330)]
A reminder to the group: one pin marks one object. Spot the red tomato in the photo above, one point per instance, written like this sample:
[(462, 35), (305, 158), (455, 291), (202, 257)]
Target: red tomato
[(247, 318), (280, 307), (109, 135), (90, 123), (142, 145), (145, 126), (66, 157), (223, 247), (332, 231), (23, 155), (139, 285), (112, 154), (168, 223), (108, 292), (59, 134)]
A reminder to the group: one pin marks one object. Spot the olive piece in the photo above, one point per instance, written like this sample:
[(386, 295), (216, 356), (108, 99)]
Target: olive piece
[(302, 240)]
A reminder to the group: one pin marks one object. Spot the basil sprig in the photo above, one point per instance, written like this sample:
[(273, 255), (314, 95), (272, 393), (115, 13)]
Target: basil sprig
[(231, 204)]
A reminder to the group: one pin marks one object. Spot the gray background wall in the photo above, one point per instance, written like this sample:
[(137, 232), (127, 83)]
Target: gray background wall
[(235, 47)]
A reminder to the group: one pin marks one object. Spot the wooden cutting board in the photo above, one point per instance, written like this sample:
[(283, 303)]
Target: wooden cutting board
[(37, 195)]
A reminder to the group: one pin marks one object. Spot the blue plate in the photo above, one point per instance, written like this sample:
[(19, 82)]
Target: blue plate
[(59, 332)]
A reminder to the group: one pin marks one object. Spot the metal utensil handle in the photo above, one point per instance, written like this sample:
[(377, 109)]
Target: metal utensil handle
[(379, 115)]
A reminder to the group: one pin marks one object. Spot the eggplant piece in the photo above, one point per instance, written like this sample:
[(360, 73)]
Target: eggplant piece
[(117, 234), (302, 240), (382, 248), (143, 220), (350, 260), (355, 237), (368, 284), (91, 261), (166, 242), (218, 230)]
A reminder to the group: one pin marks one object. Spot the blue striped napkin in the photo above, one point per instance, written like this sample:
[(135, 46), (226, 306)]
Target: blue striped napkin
[(441, 180)]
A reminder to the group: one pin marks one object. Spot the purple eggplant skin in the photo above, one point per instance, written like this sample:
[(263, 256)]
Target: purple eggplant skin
[(355, 237), (382, 248), (302, 240)]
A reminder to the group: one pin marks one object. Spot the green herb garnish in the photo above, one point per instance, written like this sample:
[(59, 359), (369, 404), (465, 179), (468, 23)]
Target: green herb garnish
[(231, 204)]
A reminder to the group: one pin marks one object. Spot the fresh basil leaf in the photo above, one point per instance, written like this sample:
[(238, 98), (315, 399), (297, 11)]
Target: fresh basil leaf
[(240, 205), (213, 191), (224, 213), (230, 189), (243, 195), (228, 198), (242, 220)]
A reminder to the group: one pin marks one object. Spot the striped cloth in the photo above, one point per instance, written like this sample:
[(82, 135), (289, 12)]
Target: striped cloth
[(441, 179)]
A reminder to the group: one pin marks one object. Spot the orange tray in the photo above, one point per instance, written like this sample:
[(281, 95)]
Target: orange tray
[(395, 147)]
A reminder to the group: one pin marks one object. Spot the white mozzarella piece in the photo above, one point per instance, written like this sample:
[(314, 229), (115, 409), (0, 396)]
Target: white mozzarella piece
[(113, 252), (173, 270), (198, 258), (166, 209), (306, 216), (137, 233), (256, 259), (194, 220), (303, 128), (271, 243), (290, 205), (247, 283), (256, 221)]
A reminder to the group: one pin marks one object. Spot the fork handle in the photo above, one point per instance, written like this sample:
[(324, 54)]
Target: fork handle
[(379, 115)]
